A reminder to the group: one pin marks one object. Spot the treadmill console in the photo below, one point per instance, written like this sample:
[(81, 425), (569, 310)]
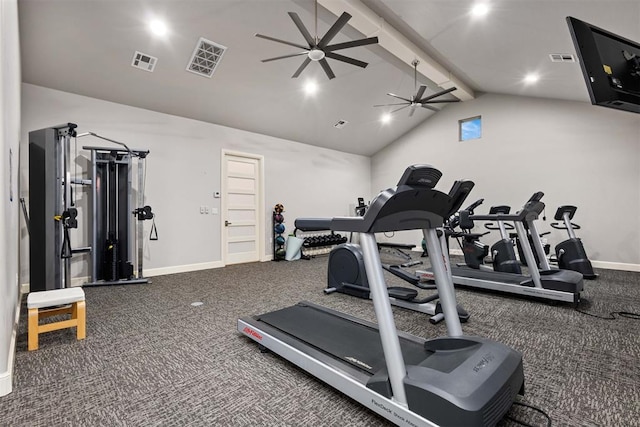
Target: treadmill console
[(420, 176)]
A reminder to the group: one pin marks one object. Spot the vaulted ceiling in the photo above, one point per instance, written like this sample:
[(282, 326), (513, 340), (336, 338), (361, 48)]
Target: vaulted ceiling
[(87, 46)]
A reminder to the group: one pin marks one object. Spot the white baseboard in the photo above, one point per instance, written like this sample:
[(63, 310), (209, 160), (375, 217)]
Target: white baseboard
[(616, 265), (79, 281), (607, 265), (5, 382), (182, 268), (25, 288), (6, 377)]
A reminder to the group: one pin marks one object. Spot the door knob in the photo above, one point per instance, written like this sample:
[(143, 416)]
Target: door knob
[(227, 223)]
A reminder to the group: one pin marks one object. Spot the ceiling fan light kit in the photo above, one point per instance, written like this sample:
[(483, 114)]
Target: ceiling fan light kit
[(316, 54)]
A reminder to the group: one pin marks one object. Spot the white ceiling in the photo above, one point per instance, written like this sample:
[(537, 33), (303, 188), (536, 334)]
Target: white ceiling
[(86, 47)]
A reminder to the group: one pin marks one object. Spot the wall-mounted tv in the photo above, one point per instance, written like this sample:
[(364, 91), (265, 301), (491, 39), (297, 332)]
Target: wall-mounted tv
[(610, 66)]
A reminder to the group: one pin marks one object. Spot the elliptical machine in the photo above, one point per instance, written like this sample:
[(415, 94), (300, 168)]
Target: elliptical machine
[(503, 256), (570, 253), (347, 275)]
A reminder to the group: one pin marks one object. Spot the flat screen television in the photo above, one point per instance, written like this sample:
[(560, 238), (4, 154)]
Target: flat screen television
[(610, 66)]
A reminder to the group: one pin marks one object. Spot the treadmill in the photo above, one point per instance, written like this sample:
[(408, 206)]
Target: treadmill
[(453, 380), (543, 283)]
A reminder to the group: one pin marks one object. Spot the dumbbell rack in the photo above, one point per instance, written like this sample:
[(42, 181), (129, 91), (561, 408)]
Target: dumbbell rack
[(278, 239), (318, 242)]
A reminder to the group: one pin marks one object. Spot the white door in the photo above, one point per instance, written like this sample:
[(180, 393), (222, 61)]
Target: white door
[(241, 212)]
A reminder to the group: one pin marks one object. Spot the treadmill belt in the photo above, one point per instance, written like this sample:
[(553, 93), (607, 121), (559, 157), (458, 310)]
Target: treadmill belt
[(354, 343)]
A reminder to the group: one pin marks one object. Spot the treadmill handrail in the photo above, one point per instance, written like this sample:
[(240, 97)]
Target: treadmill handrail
[(312, 224), (529, 212)]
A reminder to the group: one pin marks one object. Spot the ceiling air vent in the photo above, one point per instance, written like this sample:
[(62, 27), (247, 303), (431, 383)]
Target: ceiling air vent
[(144, 61), (562, 57), (206, 57), (340, 124)]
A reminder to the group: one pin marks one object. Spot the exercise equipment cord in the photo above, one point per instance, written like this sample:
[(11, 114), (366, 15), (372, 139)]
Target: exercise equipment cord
[(522, 423), (612, 315)]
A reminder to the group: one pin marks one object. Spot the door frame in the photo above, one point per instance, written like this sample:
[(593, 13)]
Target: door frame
[(260, 227)]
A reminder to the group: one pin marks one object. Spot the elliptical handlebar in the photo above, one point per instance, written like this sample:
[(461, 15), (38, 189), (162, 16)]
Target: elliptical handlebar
[(474, 205), (491, 226), (560, 226)]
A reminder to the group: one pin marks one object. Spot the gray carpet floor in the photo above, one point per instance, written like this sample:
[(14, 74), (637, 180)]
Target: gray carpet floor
[(152, 359)]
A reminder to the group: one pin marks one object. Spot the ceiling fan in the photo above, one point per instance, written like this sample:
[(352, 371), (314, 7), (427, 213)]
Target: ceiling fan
[(319, 49), (417, 100)]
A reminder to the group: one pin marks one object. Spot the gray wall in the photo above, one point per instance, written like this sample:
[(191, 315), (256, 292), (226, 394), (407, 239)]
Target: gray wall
[(184, 171), (9, 151), (574, 152)]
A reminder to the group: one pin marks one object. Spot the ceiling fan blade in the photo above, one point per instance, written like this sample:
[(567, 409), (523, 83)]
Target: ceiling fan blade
[(334, 30), (354, 43), (327, 68), (284, 56), (305, 33), (420, 92), (441, 101), (398, 109), (302, 67), (413, 110), (399, 97), (430, 108), (435, 95), (281, 41), (387, 105), (346, 59)]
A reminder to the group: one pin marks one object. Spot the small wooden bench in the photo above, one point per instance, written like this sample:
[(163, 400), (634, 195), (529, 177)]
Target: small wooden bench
[(56, 302)]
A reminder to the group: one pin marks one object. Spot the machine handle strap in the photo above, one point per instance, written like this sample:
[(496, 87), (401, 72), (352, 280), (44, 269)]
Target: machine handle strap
[(153, 235)]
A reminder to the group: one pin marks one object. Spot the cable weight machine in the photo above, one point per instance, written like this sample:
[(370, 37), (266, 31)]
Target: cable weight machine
[(113, 234), (53, 213)]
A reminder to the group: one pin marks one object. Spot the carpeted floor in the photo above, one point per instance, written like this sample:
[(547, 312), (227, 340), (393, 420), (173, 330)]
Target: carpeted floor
[(152, 359)]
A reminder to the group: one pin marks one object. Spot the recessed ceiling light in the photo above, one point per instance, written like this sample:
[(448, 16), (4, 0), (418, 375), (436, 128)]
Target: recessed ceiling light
[(386, 118), (531, 78), (311, 87), (158, 27), (480, 9)]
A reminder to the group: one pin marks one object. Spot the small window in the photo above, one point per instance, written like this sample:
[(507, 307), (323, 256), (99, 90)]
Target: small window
[(470, 128)]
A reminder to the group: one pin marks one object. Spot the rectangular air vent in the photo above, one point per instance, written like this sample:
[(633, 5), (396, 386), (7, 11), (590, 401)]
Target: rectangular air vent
[(144, 61), (340, 124), (562, 57), (206, 57)]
